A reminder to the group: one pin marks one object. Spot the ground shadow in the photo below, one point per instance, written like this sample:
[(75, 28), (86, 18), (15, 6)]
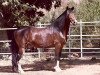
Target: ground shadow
[(7, 69), (48, 65)]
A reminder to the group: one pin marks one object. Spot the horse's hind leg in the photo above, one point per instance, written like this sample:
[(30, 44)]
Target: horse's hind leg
[(14, 61), (20, 55)]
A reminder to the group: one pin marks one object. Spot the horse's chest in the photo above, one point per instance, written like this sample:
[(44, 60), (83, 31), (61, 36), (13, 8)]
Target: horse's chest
[(61, 35), (60, 38)]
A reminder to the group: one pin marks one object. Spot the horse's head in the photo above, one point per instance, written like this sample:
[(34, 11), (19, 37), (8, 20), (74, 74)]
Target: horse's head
[(71, 15)]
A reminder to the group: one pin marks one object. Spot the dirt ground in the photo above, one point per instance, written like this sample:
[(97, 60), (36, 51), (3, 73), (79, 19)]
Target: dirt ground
[(69, 67)]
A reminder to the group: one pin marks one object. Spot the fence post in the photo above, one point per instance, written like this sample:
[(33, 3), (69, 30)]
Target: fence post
[(39, 25), (39, 53), (69, 42), (81, 38)]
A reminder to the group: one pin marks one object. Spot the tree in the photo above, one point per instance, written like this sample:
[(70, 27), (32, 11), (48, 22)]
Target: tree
[(24, 12)]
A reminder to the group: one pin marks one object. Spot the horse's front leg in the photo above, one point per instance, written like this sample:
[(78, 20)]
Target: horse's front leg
[(58, 50), (57, 68)]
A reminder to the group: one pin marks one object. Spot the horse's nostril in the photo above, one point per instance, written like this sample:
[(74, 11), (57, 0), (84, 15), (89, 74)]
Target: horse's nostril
[(73, 22)]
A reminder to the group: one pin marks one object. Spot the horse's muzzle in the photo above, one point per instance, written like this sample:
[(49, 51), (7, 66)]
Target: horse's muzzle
[(74, 22)]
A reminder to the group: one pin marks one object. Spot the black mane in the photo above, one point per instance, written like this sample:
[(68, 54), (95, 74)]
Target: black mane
[(60, 21)]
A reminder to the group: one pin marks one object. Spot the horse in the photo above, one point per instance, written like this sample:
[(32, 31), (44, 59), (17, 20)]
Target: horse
[(54, 35)]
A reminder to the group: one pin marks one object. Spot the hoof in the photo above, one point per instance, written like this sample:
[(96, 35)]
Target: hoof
[(14, 69), (21, 71), (57, 69)]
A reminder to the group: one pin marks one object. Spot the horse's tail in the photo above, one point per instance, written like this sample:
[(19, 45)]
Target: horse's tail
[(13, 47)]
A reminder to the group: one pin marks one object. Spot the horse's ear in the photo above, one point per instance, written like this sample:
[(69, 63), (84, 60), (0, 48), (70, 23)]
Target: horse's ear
[(67, 8), (72, 8)]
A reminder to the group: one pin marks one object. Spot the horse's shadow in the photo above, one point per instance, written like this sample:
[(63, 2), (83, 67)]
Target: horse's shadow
[(48, 65)]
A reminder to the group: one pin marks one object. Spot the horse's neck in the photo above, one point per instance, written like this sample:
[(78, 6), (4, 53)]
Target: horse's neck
[(62, 24), (66, 28)]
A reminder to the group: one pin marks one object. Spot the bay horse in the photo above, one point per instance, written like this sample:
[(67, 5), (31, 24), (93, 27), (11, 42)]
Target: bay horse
[(54, 35)]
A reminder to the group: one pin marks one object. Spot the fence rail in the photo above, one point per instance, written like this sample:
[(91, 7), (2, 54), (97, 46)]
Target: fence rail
[(8, 28), (5, 40), (80, 35)]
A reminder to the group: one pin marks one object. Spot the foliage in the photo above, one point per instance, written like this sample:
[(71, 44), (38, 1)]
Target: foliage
[(89, 10), (51, 15), (23, 12), (27, 12)]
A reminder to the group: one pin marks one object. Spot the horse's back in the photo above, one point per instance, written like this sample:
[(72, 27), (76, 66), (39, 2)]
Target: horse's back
[(39, 37), (45, 37)]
